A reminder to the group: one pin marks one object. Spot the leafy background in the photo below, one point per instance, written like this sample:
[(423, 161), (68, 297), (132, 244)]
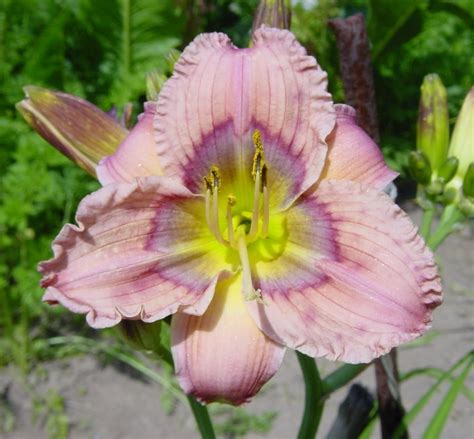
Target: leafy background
[(102, 49)]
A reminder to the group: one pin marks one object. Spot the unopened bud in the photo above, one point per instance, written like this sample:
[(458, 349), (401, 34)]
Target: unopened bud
[(448, 169), (420, 168), (273, 13), (171, 59), (462, 142), (435, 188), (468, 182), (466, 206), (154, 82), (140, 335), (433, 121), (78, 129), (448, 196)]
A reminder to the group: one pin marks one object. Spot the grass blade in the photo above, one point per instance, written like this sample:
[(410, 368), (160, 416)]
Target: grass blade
[(423, 401), (435, 372), (438, 421)]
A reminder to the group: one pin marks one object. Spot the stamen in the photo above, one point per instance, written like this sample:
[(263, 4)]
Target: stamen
[(215, 218), (249, 292), (255, 211), (258, 158), (257, 173), (213, 182), (231, 200)]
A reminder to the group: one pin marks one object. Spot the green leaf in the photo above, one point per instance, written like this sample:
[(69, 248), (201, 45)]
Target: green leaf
[(453, 8), (393, 23), (425, 399), (438, 421), (341, 376), (369, 428), (136, 36), (434, 372)]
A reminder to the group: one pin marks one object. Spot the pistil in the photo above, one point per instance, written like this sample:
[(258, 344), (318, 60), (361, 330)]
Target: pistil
[(249, 292), (231, 200)]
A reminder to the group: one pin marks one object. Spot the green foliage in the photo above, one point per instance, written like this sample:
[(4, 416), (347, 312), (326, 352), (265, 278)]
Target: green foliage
[(51, 409), (236, 421), (135, 36), (410, 43)]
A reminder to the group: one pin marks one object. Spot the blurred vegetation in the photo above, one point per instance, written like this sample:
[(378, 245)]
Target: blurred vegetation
[(102, 49)]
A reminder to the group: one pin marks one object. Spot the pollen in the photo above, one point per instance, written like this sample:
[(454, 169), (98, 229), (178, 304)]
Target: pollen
[(259, 157)]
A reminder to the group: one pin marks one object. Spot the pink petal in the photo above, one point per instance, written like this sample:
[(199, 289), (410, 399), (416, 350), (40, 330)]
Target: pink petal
[(353, 155), (222, 355), (139, 251), (355, 281), (136, 156), (218, 95)]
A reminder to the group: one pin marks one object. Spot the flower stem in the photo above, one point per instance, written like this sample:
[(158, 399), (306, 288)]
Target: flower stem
[(314, 397), (202, 418), (449, 218), (427, 220)]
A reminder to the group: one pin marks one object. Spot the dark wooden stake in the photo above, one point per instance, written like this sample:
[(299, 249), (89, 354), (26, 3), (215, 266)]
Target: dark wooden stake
[(357, 75)]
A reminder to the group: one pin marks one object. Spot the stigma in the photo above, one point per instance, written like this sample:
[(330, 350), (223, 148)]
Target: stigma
[(242, 225)]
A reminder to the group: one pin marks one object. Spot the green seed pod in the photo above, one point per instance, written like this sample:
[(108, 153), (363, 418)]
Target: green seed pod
[(420, 168), (448, 169), (468, 182)]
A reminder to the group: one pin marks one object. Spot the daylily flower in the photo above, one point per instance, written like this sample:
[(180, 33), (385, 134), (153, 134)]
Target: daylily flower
[(257, 220)]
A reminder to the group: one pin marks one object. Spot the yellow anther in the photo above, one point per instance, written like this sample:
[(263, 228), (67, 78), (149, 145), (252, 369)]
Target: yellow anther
[(231, 200), (215, 175), (257, 139), (208, 183), (259, 157)]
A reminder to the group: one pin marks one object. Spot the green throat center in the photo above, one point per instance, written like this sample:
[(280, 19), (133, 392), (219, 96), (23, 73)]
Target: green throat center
[(243, 227)]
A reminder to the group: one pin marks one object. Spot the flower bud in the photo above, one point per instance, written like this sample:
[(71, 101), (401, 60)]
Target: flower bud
[(433, 121), (466, 206), (75, 127), (154, 82), (462, 142), (448, 196), (171, 59), (273, 13), (435, 188), (420, 168), (468, 183), (140, 335), (448, 169)]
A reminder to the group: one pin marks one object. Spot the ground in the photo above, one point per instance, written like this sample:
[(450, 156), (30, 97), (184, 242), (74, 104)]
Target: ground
[(103, 402)]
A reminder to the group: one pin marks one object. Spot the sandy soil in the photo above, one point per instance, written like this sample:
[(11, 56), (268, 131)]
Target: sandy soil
[(103, 402)]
